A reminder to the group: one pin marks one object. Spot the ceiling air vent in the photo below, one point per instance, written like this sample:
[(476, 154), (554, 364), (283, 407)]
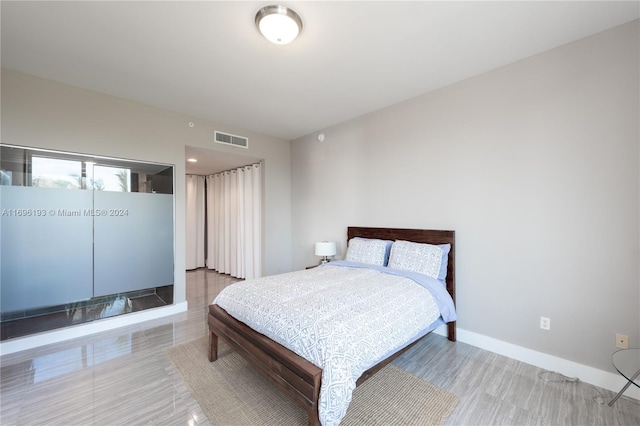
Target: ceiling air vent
[(229, 139)]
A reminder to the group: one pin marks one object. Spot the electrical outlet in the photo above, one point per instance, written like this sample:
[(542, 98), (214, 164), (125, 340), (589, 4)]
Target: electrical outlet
[(545, 323), (622, 341)]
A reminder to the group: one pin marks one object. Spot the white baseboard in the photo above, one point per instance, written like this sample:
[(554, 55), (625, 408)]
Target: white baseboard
[(81, 330), (604, 379)]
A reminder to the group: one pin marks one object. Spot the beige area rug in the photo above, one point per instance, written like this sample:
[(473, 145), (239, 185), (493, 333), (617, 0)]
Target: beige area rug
[(231, 392)]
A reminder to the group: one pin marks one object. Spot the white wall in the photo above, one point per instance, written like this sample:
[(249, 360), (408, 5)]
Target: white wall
[(43, 114), (534, 165)]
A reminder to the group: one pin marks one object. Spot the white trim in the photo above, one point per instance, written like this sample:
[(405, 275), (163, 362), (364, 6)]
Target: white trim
[(81, 330), (604, 379)]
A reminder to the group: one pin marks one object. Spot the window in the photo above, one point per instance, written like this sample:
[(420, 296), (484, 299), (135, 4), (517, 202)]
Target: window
[(108, 178), (56, 173)]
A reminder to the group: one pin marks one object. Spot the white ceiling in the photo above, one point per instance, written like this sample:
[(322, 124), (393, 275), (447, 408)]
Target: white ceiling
[(207, 60), (210, 161)]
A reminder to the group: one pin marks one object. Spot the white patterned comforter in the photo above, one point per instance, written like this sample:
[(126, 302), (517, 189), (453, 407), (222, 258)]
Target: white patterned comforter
[(341, 319)]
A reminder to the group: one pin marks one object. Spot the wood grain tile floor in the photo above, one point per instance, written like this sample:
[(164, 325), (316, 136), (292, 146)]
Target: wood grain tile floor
[(122, 377)]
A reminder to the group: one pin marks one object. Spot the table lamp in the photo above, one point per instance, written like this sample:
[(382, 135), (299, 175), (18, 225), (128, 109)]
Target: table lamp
[(325, 249)]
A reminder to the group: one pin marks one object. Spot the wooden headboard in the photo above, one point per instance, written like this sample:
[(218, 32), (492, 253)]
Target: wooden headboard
[(428, 236)]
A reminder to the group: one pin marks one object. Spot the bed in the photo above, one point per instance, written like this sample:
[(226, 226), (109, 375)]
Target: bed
[(296, 375)]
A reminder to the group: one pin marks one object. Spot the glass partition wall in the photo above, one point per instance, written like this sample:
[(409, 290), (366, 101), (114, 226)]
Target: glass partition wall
[(82, 238)]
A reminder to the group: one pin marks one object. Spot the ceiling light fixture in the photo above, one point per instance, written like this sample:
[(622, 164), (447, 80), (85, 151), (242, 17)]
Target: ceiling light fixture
[(279, 24), (192, 160)]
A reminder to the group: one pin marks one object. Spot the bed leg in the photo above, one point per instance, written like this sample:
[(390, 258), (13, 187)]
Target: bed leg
[(314, 420), (213, 347), (451, 331)]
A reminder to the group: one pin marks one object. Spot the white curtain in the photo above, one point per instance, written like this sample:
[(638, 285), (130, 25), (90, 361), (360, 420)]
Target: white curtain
[(195, 214), (234, 214)]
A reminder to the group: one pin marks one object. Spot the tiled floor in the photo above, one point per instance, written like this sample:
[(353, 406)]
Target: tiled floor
[(123, 377)]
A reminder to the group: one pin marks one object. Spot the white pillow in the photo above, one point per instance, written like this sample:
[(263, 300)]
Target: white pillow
[(367, 250), (416, 257)]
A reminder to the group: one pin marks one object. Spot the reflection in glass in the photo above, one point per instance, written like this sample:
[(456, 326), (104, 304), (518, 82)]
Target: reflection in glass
[(56, 173), (109, 178), (75, 227), (49, 169)]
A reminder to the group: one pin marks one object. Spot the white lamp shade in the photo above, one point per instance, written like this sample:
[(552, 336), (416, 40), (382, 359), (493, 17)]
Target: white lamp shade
[(326, 248)]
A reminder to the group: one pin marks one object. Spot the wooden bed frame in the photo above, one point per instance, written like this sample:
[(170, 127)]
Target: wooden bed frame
[(294, 375)]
